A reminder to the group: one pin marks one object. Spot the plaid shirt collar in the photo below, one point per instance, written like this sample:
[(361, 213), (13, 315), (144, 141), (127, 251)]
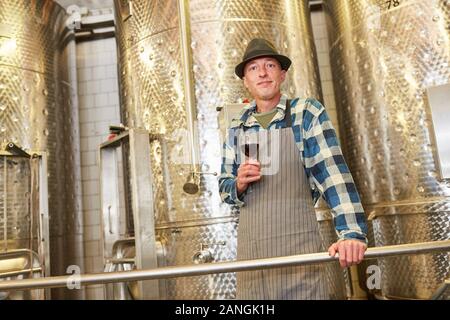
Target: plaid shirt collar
[(247, 119)]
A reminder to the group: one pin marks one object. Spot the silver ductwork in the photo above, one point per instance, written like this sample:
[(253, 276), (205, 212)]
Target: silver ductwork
[(38, 112), (386, 56), (159, 66)]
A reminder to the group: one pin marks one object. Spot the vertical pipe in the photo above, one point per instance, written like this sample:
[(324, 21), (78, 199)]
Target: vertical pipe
[(44, 240), (188, 79), (143, 210), (31, 212), (5, 217)]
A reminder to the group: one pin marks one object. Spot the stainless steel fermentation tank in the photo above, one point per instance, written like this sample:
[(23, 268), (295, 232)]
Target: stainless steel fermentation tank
[(177, 63), (385, 56), (38, 112)]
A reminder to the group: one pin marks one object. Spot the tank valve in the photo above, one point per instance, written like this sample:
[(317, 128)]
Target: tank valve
[(202, 256), (192, 185), (205, 255)]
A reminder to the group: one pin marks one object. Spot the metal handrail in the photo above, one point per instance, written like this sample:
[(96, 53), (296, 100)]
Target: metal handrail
[(19, 272), (219, 267), (20, 253)]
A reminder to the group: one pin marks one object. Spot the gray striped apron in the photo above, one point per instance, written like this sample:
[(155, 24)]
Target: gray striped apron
[(278, 219)]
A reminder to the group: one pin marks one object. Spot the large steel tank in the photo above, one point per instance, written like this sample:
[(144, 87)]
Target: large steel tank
[(385, 54), (153, 97), (38, 112)]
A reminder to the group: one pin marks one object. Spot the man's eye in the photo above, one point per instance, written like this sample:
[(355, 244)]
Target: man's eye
[(271, 65), (253, 68)]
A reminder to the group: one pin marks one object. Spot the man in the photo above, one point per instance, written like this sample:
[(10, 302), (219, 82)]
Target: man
[(277, 216)]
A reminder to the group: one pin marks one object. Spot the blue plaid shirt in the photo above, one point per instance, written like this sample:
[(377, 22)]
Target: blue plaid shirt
[(322, 158)]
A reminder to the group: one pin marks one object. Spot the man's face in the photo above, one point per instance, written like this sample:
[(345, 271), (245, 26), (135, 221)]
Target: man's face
[(263, 78)]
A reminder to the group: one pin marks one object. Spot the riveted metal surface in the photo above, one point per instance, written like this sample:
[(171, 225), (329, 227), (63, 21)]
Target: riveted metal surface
[(37, 108), (182, 243), (385, 54), (16, 199), (153, 95), (416, 276)]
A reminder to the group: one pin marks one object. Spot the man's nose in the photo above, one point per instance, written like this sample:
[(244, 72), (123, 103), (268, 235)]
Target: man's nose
[(262, 71)]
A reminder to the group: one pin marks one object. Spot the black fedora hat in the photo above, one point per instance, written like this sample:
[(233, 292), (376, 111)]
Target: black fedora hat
[(261, 48)]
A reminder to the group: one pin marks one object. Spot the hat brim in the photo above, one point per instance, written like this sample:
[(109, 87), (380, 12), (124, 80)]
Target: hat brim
[(284, 61)]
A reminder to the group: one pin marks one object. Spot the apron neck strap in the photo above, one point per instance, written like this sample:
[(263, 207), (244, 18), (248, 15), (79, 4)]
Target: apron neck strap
[(287, 114)]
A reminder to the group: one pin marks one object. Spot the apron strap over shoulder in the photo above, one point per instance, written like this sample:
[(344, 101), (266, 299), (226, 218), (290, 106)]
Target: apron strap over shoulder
[(287, 114)]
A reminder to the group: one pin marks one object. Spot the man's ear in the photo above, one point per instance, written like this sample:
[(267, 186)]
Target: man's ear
[(245, 82), (283, 75)]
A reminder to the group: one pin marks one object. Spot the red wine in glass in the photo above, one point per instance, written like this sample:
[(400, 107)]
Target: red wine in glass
[(251, 151)]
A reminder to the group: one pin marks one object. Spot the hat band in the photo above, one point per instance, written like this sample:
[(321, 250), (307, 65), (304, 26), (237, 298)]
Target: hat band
[(258, 53)]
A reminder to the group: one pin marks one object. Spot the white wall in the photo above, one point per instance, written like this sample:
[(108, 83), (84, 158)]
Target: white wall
[(323, 56), (99, 108)]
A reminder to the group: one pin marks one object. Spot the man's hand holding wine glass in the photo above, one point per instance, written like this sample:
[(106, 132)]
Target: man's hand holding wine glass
[(248, 172)]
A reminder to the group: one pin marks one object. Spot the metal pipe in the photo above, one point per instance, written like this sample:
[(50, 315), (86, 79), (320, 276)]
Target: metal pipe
[(188, 79), (5, 199), (220, 267), (19, 272)]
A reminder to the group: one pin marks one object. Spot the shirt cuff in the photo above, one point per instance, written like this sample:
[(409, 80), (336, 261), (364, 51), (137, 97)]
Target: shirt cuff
[(353, 235), (235, 196)]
